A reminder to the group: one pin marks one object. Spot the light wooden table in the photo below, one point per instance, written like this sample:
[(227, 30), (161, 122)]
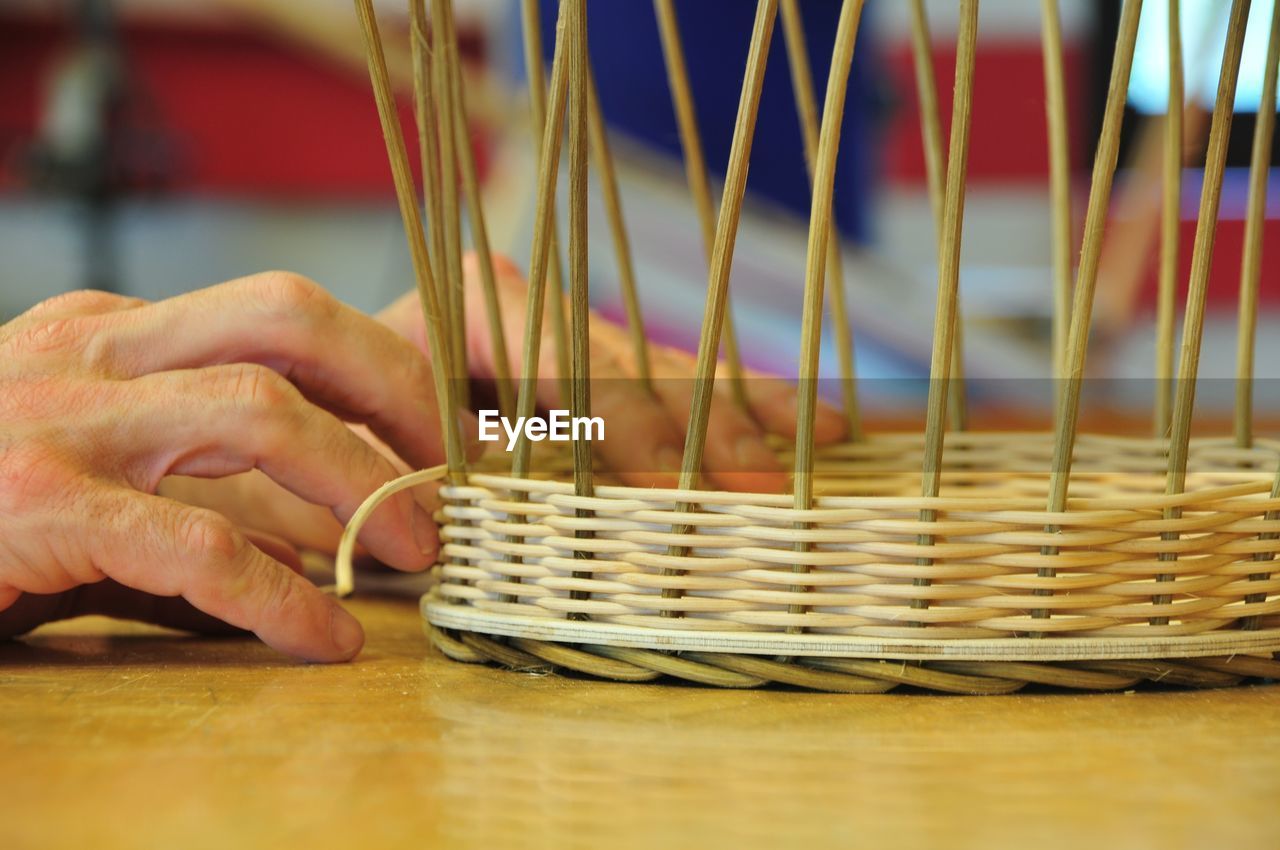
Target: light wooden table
[(119, 736)]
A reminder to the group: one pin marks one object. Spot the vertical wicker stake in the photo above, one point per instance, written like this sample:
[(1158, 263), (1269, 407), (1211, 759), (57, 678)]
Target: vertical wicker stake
[(807, 106), (944, 323), (1250, 622), (713, 318), (425, 118), (1067, 408), (1201, 262), (442, 59), (603, 158), (541, 257), (437, 340), (935, 164), (479, 229), (721, 264), (578, 257), (1095, 222), (1055, 87), (1060, 204), (695, 165), (935, 168), (1251, 262), (532, 24), (1250, 272), (579, 89), (1170, 223), (821, 236)]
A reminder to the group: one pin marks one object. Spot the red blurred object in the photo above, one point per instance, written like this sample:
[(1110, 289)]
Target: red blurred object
[(1009, 146), (243, 113), (1228, 248), (1008, 141)]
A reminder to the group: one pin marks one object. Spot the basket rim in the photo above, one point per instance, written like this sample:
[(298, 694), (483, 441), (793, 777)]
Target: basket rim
[(1220, 483), (608, 496)]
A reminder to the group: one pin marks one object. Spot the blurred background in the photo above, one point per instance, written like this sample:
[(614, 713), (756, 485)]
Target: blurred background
[(155, 146)]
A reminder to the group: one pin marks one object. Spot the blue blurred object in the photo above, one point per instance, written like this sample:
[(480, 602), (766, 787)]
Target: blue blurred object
[(627, 54)]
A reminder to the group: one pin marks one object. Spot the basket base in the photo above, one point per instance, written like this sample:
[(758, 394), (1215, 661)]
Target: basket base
[(847, 664)]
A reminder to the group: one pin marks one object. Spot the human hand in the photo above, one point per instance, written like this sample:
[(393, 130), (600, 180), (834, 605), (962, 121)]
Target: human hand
[(102, 397), (644, 440)]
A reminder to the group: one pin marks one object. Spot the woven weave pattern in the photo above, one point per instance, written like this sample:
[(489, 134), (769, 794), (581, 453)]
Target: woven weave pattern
[(1119, 567)]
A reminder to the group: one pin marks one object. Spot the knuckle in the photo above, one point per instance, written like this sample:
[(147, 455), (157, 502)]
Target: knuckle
[(286, 294), (79, 302), (259, 388), (207, 535), (280, 434), (278, 420), (97, 348), (81, 339), (420, 374)]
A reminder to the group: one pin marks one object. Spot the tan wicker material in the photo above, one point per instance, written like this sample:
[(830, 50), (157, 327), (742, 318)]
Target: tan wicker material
[(948, 560), (595, 605), (511, 549)]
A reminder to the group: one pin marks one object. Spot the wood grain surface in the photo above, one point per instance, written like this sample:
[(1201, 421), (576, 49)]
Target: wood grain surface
[(114, 735)]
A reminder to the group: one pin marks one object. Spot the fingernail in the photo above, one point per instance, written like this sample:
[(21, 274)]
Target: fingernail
[(345, 631), (503, 265), (425, 533), (752, 455)]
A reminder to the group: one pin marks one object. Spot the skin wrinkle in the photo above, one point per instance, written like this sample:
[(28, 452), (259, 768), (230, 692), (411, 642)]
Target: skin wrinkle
[(47, 530)]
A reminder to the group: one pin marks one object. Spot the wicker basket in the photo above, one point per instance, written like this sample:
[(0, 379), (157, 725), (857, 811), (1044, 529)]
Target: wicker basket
[(952, 561)]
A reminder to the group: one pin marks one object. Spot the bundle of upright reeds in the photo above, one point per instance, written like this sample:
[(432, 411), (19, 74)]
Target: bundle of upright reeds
[(1080, 561)]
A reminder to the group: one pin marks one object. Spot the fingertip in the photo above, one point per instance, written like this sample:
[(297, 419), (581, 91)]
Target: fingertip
[(829, 424), (470, 263), (505, 267), (427, 500), (752, 455), (427, 538), (345, 634), (417, 551), (404, 317)]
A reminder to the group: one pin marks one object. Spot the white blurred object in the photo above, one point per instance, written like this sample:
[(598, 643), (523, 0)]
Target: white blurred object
[(1015, 20), (1204, 32)]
